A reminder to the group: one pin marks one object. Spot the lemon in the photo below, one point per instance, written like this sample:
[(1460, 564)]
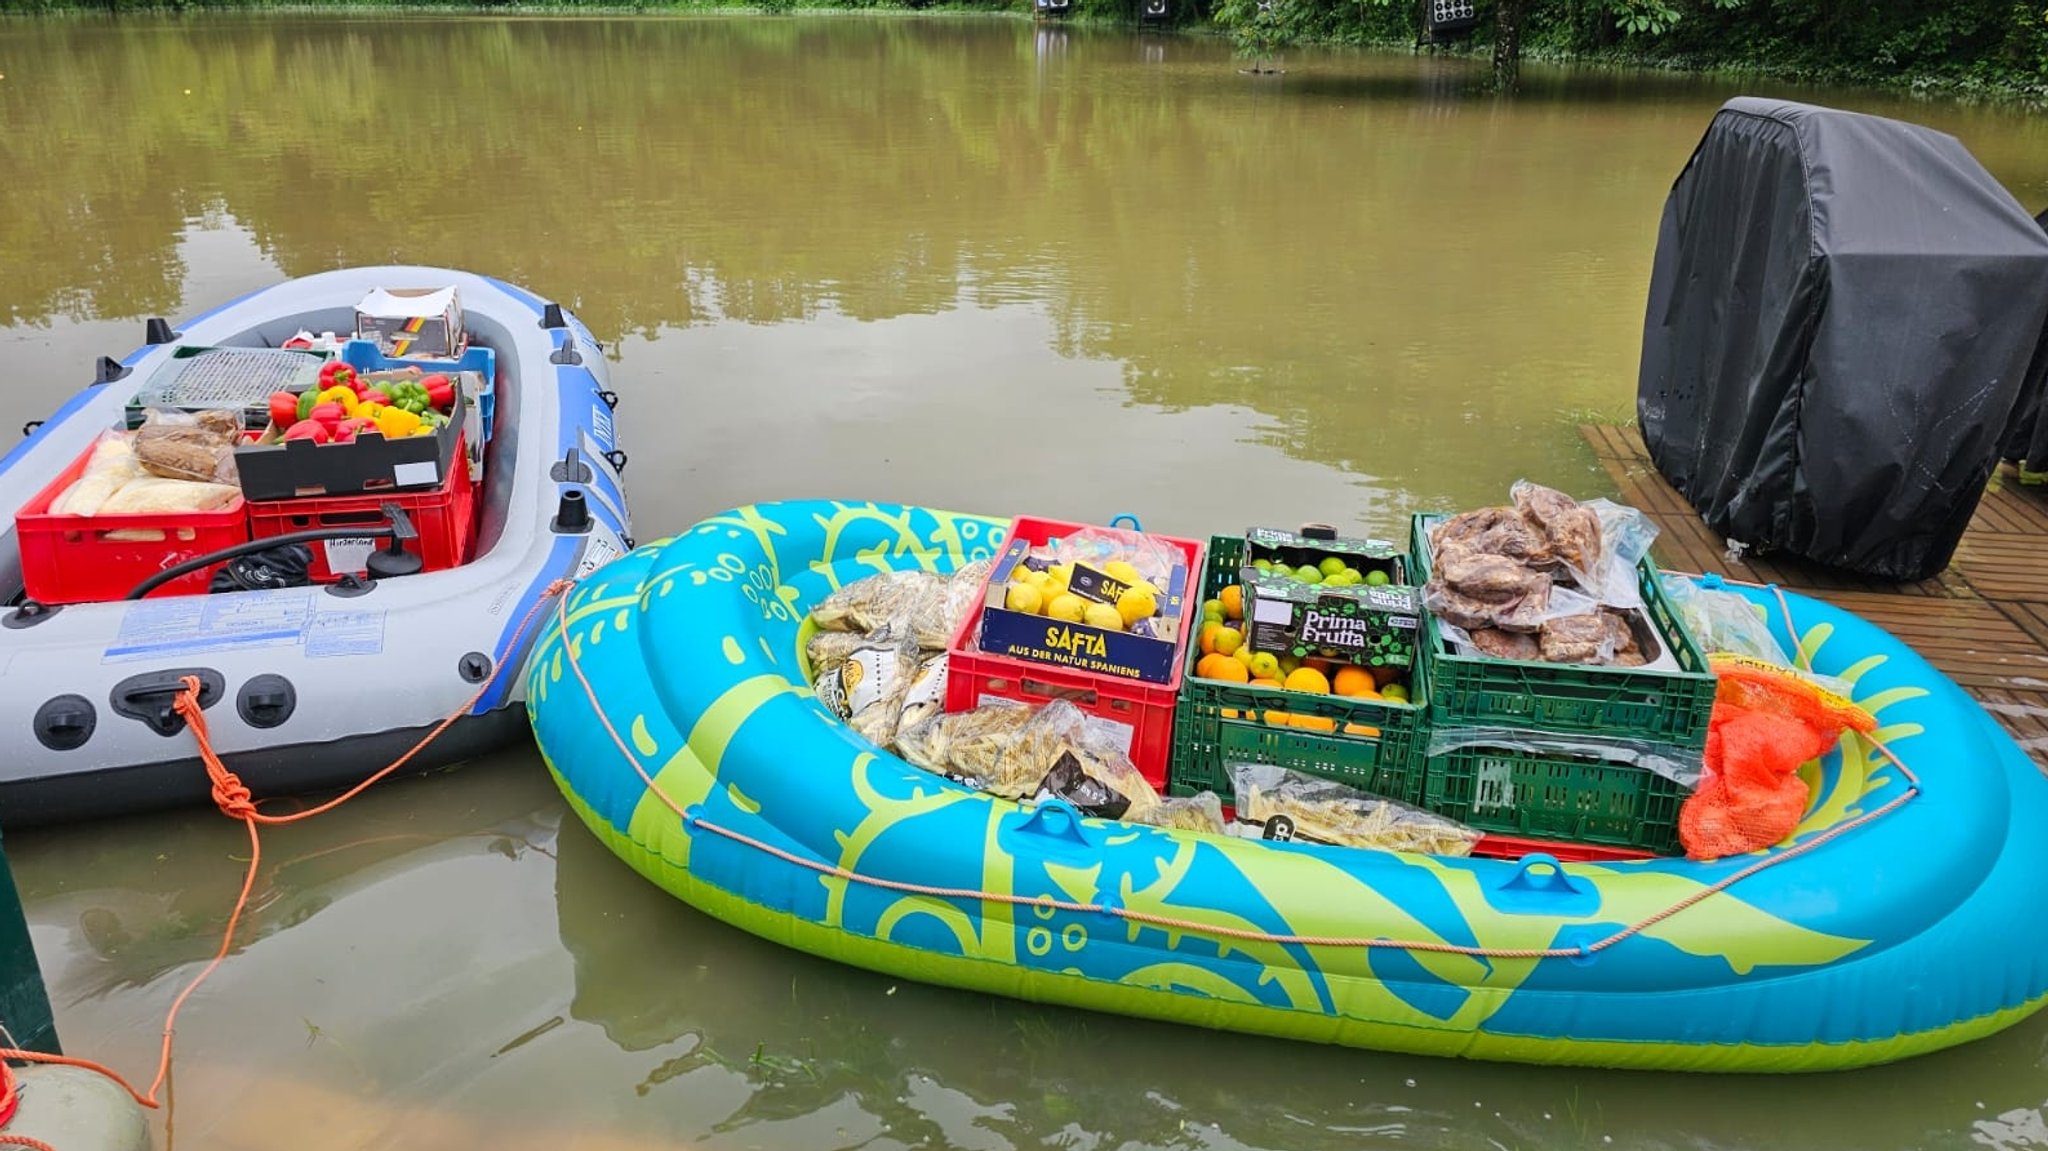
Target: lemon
[(1136, 604), (1104, 616), (1067, 606), (1058, 578), (1265, 665), (1121, 571), (1228, 640), (1243, 656), (1024, 597)]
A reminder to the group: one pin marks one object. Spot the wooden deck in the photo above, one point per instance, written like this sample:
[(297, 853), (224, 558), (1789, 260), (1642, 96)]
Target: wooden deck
[(1983, 620)]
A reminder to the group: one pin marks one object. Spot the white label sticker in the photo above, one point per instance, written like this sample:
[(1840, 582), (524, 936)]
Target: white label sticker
[(1119, 733), (603, 549), (349, 555), (1272, 611), (423, 472)]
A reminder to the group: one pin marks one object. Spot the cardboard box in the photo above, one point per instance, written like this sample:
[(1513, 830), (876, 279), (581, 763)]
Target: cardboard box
[(1338, 615), (1363, 624), (1151, 654), (1295, 550), (413, 321)]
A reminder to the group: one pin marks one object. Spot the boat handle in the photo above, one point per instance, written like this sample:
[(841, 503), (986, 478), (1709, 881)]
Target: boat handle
[(152, 697), (1055, 818), (1541, 873)]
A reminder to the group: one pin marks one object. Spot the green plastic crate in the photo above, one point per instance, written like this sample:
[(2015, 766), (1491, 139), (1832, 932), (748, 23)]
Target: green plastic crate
[(1549, 795), (1654, 704), (1209, 733)]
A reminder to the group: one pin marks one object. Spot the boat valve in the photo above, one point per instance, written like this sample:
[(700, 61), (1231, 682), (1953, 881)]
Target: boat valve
[(572, 516)]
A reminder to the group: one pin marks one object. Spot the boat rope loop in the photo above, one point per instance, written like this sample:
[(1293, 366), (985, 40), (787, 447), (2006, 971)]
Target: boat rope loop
[(233, 798), (1195, 927)]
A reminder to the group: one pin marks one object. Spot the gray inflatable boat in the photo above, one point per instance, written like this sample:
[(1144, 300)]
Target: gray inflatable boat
[(312, 687)]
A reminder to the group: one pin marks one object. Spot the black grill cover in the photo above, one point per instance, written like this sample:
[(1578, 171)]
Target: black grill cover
[(2027, 443), (1842, 309)]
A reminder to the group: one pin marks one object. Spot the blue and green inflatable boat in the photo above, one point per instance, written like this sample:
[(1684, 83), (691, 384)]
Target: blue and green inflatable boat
[(671, 700)]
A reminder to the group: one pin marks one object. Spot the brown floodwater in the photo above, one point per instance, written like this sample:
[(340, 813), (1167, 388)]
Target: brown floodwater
[(958, 261)]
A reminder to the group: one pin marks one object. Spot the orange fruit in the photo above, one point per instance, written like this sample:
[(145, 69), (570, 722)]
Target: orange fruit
[(1267, 683), (1208, 637), (1278, 718), (1213, 666), (1233, 602), (1314, 723), (1361, 729), (1352, 681), (1306, 678)]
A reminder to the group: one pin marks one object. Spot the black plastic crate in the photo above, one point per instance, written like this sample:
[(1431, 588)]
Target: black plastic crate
[(371, 463)]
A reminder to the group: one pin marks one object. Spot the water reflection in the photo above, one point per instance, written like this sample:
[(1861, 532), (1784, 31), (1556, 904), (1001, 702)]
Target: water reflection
[(1362, 250)]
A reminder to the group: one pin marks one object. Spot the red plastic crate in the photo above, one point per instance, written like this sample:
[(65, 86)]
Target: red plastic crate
[(1146, 708), (71, 559), (444, 517), (1493, 846)]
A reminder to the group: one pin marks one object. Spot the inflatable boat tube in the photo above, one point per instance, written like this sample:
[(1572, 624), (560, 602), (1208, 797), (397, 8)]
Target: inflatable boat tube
[(306, 688), (672, 703)]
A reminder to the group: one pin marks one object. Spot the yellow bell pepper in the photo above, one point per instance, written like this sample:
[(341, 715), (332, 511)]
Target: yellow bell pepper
[(343, 396), (397, 423)]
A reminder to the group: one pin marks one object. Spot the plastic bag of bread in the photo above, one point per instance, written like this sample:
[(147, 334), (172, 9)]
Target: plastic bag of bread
[(926, 695), (110, 465), (1201, 812), (868, 603), (937, 618), (1099, 780), (826, 650), (1275, 803), (867, 688), (189, 445), (155, 495), (964, 745)]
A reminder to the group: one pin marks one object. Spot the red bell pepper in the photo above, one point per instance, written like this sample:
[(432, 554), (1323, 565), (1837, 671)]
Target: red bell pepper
[(440, 391), (284, 409), (376, 396), (329, 414), (309, 430), (336, 372)]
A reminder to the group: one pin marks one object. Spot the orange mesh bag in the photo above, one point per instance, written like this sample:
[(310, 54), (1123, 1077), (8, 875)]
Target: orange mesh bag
[(1767, 721)]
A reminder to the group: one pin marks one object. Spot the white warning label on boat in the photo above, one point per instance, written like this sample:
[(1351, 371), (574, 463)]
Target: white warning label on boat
[(604, 548), (343, 633), (179, 624)]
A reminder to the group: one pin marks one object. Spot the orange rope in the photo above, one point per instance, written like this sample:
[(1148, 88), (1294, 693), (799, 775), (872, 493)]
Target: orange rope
[(1195, 927), (10, 1097), (232, 796)]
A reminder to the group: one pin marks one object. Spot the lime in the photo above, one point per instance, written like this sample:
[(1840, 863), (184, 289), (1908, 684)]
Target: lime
[(1331, 565), (1395, 692), (1308, 573), (1377, 578)]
